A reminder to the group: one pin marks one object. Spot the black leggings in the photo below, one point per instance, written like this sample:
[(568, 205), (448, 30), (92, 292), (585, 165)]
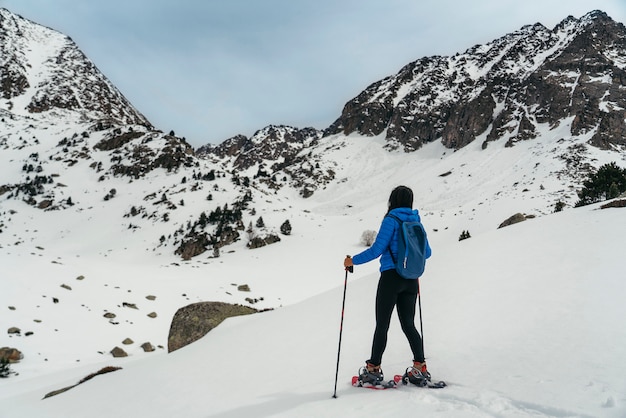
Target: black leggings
[(395, 291)]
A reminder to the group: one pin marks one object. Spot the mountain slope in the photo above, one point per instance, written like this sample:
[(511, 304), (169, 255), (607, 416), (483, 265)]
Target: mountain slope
[(513, 338)]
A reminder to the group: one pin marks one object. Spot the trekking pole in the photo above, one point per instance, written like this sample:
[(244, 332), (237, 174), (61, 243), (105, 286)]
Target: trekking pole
[(419, 303), (343, 305)]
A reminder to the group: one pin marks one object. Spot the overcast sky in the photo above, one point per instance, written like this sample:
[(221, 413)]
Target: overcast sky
[(211, 69)]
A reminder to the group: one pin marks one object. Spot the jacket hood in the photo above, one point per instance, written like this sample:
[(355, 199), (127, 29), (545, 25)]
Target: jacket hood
[(406, 214)]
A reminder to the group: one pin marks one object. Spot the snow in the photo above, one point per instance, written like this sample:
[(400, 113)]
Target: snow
[(520, 321), (524, 321), (41, 44)]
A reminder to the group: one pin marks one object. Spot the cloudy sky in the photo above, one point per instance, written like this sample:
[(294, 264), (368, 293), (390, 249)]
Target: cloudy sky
[(212, 69)]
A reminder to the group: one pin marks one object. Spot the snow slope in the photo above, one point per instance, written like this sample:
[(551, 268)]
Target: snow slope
[(524, 321), (532, 312)]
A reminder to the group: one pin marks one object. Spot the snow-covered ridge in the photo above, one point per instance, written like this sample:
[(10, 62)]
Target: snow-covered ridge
[(43, 71), (505, 89)]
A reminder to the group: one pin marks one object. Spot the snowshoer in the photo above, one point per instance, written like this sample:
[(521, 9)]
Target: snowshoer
[(393, 290)]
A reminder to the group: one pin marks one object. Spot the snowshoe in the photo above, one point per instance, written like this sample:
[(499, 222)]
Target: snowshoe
[(372, 376), (417, 375)]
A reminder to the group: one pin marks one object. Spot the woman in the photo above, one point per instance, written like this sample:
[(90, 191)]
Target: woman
[(393, 290)]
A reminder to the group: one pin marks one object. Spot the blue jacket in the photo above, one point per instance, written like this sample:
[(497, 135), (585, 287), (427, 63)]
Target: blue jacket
[(387, 240)]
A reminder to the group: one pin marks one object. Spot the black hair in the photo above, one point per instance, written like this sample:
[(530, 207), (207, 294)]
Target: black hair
[(401, 197)]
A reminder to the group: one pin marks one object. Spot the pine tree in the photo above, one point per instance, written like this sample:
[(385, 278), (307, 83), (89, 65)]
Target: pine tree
[(5, 369), (285, 228), (203, 221), (607, 183), (250, 231), (558, 207), (464, 235)]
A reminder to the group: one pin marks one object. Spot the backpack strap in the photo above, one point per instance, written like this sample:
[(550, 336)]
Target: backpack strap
[(392, 216)]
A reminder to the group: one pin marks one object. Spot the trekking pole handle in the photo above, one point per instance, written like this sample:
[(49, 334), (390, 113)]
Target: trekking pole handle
[(351, 267)]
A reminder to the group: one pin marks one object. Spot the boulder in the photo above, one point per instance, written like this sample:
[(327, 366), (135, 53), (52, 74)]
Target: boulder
[(517, 218), (193, 245), (118, 352), (14, 330), (258, 242), (12, 355), (194, 321), (620, 203)]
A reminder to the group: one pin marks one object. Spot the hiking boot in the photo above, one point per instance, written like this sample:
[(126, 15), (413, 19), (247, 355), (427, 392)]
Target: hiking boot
[(418, 374), (371, 374)]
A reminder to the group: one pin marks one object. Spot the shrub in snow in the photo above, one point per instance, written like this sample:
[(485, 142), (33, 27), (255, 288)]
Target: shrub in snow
[(368, 237)]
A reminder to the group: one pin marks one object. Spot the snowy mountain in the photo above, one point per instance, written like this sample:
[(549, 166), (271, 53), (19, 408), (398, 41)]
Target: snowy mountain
[(108, 226), (507, 89), (44, 75)]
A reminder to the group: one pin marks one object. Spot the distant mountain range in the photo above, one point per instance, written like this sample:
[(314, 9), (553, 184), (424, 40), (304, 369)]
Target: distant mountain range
[(69, 140), (573, 74)]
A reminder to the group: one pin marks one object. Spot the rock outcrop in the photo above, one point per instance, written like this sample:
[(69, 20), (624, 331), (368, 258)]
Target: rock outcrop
[(194, 321)]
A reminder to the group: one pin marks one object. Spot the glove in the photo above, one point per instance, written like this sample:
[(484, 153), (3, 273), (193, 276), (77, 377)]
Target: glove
[(347, 264)]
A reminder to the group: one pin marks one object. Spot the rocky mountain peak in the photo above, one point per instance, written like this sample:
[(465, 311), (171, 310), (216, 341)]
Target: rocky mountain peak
[(272, 144), (43, 71), (504, 89)]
